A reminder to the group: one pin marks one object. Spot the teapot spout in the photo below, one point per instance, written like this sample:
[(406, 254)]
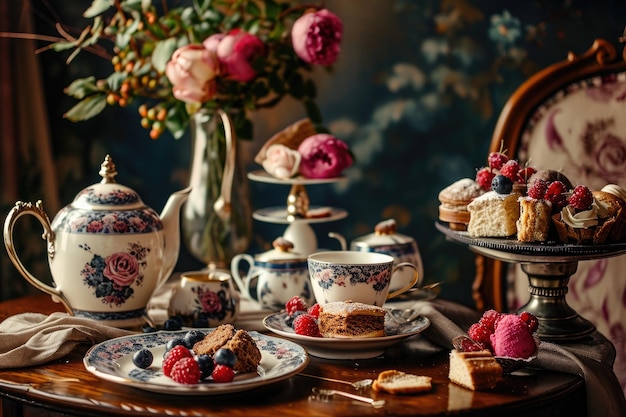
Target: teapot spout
[(170, 217)]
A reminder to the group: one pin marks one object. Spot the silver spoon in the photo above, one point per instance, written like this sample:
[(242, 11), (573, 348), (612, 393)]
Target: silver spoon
[(363, 383)]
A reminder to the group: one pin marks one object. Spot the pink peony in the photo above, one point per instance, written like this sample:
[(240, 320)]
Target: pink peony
[(192, 71), (236, 51), (323, 156), (281, 161), (316, 37), (121, 268)]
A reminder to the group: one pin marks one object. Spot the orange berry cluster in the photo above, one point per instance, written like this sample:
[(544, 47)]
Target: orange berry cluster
[(153, 119)]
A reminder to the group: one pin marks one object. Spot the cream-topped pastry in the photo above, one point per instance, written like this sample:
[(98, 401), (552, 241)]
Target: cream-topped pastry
[(580, 220), (616, 190)]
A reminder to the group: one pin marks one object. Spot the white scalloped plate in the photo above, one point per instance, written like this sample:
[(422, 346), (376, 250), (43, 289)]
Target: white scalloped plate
[(112, 360), (354, 348)]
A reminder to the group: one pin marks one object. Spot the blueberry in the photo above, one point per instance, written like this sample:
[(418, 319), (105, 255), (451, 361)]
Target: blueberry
[(173, 323), (225, 357), (146, 328), (289, 319), (206, 364), (192, 337), (174, 342), (501, 184), (200, 322), (142, 358)]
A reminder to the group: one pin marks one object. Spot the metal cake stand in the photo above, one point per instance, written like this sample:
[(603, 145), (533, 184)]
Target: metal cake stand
[(549, 266)]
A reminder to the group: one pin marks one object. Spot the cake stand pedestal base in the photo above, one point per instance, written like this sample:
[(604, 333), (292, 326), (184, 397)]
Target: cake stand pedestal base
[(547, 287)]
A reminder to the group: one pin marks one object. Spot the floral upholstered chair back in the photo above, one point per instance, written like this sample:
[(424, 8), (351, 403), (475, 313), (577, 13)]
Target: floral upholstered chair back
[(572, 117)]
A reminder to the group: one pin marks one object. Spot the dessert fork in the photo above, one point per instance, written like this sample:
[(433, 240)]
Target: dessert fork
[(360, 384), (326, 394)]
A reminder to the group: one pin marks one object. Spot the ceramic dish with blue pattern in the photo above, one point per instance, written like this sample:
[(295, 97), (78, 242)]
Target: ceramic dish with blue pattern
[(112, 360), (353, 348)]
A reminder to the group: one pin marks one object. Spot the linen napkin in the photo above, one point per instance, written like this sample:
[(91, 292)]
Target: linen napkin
[(30, 339), (592, 359)]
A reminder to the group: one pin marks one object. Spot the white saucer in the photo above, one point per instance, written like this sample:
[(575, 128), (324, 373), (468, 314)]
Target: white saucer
[(334, 348)]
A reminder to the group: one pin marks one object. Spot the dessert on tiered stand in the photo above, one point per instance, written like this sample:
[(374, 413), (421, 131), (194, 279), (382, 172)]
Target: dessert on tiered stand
[(298, 156), (538, 219)]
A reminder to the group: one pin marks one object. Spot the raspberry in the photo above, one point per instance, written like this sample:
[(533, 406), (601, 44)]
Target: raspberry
[(314, 310), (223, 373), (295, 304), (497, 159), (306, 325), (581, 198), (479, 333), (174, 355), (537, 189), (510, 169), (524, 174), (484, 176), (489, 319), (530, 320), (555, 194), (186, 371)]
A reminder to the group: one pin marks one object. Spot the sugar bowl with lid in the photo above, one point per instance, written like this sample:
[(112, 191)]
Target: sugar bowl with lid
[(273, 277), (386, 239), (107, 251)]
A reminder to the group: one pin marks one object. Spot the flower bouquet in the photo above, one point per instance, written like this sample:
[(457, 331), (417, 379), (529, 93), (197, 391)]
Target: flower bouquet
[(175, 58)]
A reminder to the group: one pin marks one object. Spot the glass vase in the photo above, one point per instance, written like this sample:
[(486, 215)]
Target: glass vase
[(217, 217)]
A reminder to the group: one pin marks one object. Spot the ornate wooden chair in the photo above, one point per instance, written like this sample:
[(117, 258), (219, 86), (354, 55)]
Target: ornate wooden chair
[(571, 117)]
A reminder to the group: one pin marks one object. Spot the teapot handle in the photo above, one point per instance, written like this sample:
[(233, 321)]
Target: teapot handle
[(242, 283), (340, 238), (21, 209)]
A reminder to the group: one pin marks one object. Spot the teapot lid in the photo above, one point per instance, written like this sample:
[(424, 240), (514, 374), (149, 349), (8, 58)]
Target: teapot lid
[(108, 194), (384, 234), (282, 252)]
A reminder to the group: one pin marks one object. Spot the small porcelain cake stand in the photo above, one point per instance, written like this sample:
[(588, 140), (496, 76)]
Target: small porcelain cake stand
[(549, 267), (296, 212)]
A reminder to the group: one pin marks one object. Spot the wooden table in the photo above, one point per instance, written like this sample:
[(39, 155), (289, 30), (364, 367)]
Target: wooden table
[(66, 388)]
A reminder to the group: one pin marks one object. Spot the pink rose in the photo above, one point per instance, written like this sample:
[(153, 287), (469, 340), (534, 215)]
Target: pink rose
[(209, 301), (192, 71), (236, 51), (323, 156), (281, 161), (316, 37), (121, 268)]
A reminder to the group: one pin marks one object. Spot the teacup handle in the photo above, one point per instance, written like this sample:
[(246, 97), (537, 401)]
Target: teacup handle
[(21, 209), (242, 283), (416, 278)]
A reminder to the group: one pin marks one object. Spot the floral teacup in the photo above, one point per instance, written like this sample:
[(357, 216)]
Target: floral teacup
[(358, 276), (205, 295)]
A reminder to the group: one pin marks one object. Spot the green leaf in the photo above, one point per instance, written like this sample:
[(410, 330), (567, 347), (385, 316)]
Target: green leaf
[(253, 9), (115, 80), (163, 51), (87, 108), (133, 5), (176, 121), (97, 8), (82, 87), (123, 37)]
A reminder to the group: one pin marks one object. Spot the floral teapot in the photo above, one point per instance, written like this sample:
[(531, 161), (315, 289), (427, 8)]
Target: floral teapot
[(107, 252), (386, 239), (274, 277)]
